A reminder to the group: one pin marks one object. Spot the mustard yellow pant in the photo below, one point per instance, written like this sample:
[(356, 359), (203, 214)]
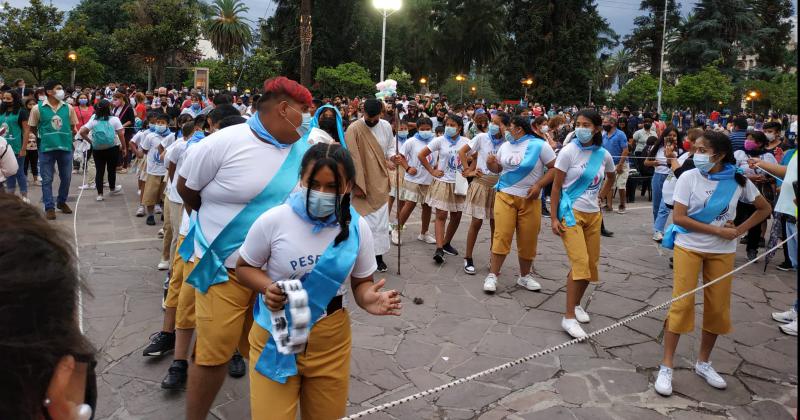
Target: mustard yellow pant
[(224, 316), (153, 190), (512, 213), (582, 243), (175, 278), (184, 316), (716, 298), (321, 384)]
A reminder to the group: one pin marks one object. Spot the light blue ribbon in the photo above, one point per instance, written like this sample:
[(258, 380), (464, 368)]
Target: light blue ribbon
[(717, 203), (571, 194), (297, 201), (261, 132), (526, 166), (321, 284), (339, 126)]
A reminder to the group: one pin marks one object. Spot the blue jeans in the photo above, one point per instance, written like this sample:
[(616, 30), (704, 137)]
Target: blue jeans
[(791, 229), (48, 162), (660, 210), (18, 178)]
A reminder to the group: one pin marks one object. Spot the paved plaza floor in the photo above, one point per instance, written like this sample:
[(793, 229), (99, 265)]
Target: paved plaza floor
[(457, 330)]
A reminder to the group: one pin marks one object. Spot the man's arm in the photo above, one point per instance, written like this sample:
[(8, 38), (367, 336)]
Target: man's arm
[(191, 198)]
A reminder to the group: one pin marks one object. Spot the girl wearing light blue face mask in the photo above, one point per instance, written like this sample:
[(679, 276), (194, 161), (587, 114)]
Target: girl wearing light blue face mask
[(314, 233), (417, 180)]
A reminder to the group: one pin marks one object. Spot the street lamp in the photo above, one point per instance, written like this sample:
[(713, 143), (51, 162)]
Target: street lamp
[(527, 83), (72, 56), (422, 82), (460, 79), (474, 90), (753, 95), (387, 7), (149, 60)]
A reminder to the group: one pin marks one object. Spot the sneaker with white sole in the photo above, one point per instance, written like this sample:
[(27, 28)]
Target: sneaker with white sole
[(396, 237), (581, 315), (490, 284), (140, 211), (663, 383), (427, 238), (790, 328), (785, 317), (87, 186), (26, 200), (469, 266), (99, 197), (160, 233), (116, 190), (163, 265), (705, 371), (158, 209), (572, 328), (658, 236), (527, 281)]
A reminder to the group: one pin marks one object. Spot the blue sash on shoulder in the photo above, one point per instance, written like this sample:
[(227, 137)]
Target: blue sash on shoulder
[(315, 122), (321, 284), (525, 167), (210, 269), (717, 203), (569, 195)]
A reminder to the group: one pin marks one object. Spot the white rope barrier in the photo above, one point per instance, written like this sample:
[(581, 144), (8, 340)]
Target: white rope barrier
[(85, 165), (558, 347)]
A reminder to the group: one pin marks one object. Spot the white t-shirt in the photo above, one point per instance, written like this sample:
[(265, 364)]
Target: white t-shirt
[(116, 124), (483, 146), (410, 150), (668, 189), (693, 190), (383, 132), (510, 157), (155, 165), (318, 135), (449, 162), (662, 167), (573, 161), (229, 168), (741, 161), (283, 245), (138, 137), (174, 154), (785, 203)]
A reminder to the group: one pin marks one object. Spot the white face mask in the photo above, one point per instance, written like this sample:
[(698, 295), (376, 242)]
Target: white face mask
[(59, 94)]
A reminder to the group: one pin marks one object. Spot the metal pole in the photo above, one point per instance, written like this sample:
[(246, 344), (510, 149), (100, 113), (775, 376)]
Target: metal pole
[(461, 99), (590, 93), (72, 78), (149, 73), (661, 69), (383, 43)]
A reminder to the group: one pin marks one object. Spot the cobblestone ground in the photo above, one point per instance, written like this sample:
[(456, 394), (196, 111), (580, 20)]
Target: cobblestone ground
[(458, 330)]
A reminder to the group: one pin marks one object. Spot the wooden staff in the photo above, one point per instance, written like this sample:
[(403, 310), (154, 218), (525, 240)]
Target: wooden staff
[(397, 187)]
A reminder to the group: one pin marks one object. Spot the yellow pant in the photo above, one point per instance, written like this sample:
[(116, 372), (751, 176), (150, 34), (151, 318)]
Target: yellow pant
[(516, 213), (582, 243), (716, 298), (175, 277), (184, 316), (224, 316), (153, 190), (321, 385)]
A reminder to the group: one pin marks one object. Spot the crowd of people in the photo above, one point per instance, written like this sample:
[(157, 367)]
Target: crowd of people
[(254, 192)]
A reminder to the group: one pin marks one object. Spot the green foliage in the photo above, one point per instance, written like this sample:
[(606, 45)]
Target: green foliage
[(644, 42), (641, 92), (704, 89), (30, 37), (783, 93), (348, 79), (88, 69), (221, 73), (228, 30), (405, 85), (483, 89), (262, 65)]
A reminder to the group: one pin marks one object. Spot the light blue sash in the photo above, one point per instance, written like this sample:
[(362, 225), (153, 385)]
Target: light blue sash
[(526, 166), (569, 195), (315, 122), (717, 203), (210, 269), (321, 284)]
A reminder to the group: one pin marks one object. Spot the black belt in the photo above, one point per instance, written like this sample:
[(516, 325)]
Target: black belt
[(334, 305)]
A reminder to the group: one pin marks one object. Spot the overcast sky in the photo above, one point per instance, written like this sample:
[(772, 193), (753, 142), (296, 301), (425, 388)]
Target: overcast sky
[(620, 13)]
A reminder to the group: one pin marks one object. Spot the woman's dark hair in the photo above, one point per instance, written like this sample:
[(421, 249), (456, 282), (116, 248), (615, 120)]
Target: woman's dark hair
[(31, 100), (38, 307), (187, 129), (721, 144), (231, 120), (596, 120), (424, 121), (456, 119), (539, 120), (522, 122), (760, 138), (504, 117), (102, 111), (16, 101), (660, 143), (331, 156)]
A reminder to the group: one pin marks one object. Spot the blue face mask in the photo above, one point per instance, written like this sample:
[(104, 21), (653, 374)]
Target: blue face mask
[(402, 135), (493, 129), (703, 163), (450, 132), (162, 129), (425, 135), (305, 125), (509, 138), (195, 107), (320, 204), (152, 128), (584, 135)]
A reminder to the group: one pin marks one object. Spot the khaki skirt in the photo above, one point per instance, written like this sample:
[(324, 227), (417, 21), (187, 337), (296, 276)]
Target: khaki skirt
[(393, 181), (480, 197), (413, 192), (442, 196)]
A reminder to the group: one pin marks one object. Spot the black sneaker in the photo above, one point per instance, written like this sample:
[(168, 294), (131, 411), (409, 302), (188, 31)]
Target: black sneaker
[(743, 241), (785, 266), (752, 254), (606, 233), (469, 266), (382, 268), (449, 250), (151, 220), (438, 256), (161, 343), (236, 367), (176, 375)]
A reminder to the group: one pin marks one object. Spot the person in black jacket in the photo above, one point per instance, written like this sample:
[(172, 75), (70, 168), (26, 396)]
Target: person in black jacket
[(123, 110)]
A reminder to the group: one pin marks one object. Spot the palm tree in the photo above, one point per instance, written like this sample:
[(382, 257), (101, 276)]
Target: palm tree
[(227, 29)]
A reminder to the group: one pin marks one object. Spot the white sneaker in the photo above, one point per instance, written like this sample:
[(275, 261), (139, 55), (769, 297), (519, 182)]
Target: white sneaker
[(87, 186), (785, 317), (427, 238), (572, 328), (38, 179), (140, 211), (158, 209), (105, 184), (711, 376), (26, 200), (790, 328), (581, 315), (396, 237), (161, 233), (658, 236), (490, 284), (99, 197), (663, 383), (116, 190), (529, 282), (163, 265)]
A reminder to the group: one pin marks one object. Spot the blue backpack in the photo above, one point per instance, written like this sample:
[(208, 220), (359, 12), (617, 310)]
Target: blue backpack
[(103, 135)]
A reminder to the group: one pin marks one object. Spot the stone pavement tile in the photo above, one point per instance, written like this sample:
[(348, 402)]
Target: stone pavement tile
[(361, 391), (371, 337), (377, 368), (591, 413), (495, 414), (503, 345), (543, 339), (552, 413), (748, 291), (527, 298), (620, 336), (233, 410), (146, 400), (769, 359), (466, 306), (572, 389), (578, 364), (471, 395), (767, 374), (412, 354), (638, 413), (528, 399), (648, 326), (522, 376), (687, 383), (555, 303), (754, 333), (644, 355), (419, 315), (450, 356), (785, 393), (538, 318), (619, 382), (424, 379), (613, 306), (693, 415), (463, 331), (784, 344), (762, 410)]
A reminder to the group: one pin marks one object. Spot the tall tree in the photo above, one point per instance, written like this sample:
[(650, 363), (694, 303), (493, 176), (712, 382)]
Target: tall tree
[(30, 37), (101, 18), (774, 31), (227, 29), (645, 41)]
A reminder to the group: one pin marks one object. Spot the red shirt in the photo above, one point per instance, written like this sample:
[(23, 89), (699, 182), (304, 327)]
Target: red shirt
[(83, 115), (714, 116)]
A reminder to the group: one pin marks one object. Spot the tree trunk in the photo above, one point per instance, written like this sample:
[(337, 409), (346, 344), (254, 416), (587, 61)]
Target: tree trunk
[(305, 42)]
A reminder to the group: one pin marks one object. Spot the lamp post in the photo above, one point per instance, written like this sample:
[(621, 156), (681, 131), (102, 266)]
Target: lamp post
[(661, 67), (387, 7), (149, 60), (422, 82), (474, 91), (753, 95), (72, 56), (460, 79), (526, 83)]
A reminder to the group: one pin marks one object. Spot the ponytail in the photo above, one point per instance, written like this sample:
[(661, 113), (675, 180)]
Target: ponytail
[(343, 217), (721, 144)]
